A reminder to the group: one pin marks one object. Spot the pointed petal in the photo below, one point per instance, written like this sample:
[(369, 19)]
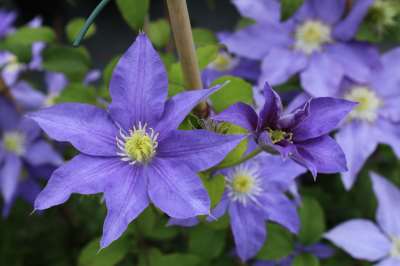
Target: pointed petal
[(138, 85), (8, 116), (357, 144), (388, 212), (259, 10), (386, 81), (88, 128), (248, 228), (26, 96), (198, 149), (179, 106), (239, 114), (176, 189), (126, 197), (9, 176), (220, 209), (325, 115), (389, 262), (272, 108), (388, 133), (361, 239), (55, 82), (323, 75), (42, 153), (83, 175), (329, 11)]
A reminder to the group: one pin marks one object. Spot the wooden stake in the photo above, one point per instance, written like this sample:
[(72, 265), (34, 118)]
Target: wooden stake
[(182, 30)]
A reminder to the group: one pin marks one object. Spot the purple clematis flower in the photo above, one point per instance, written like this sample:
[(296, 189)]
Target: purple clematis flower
[(133, 153), (315, 42), (365, 240), (301, 134), (254, 194), (20, 148), (7, 19)]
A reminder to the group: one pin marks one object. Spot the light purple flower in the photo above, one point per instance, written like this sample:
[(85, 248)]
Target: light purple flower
[(133, 152), (365, 240), (315, 42), (20, 146), (254, 194), (7, 19), (302, 134)]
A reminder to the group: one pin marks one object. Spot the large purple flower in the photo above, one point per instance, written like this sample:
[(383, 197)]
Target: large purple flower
[(20, 147), (254, 194), (7, 19), (315, 42), (302, 134), (363, 239), (133, 153)]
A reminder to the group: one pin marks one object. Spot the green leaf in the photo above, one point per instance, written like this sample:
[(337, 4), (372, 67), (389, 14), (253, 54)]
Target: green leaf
[(289, 7), (159, 33), (108, 70), (27, 36), (152, 225), (279, 244), (156, 258), (239, 150), (306, 260), (207, 54), (312, 221), (204, 37), (134, 12), (245, 22), (205, 242), (215, 187), (107, 257), (75, 25), (237, 90), (77, 92)]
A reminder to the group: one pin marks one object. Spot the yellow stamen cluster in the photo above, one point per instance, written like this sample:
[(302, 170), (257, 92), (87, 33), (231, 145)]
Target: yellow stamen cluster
[(395, 251), (14, 142), (223, 62), (311, 36), (277, 135), (368, 103)]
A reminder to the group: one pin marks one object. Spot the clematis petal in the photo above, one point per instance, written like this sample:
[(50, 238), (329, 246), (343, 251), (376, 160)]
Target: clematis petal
[(29, 190), (388, 196), (280, 64), (361, 239), (189, 222), (9, 176), (26, 96), (320, 250), (323, 153), (176, 189), (30, 129), (56, 82), (358, 144), (126, 197), (198, 149), (325, 115), (88, 128), (138, 85), (259, 10), (329, 11), (388, 133), (388, 262), (239, 114), (248, 228), (348, 27), (220, 209), (84, 175), (41, 152), (386, 81), (323, 75), (179, 106), (271, 109), (9, 117)]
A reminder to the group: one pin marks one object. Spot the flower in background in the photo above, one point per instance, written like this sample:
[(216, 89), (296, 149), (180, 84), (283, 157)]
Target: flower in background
[(21, 151), (7, 19), (133, 153), (255, 193), (365, 240), (302, 134), (315, 42)]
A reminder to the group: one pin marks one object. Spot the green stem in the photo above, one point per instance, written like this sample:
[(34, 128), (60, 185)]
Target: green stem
[(252, 154), (89, 22)]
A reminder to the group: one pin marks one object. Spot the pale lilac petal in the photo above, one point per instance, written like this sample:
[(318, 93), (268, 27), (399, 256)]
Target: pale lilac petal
[(325, 115), (255, 41), (259, 10), (389, 262), (30, 129), (329, 11), (280, 64), (83, 175), (323, 75), (220, 209), (320, 250), (139, 85), (324, 153), (179, 106), (9, 176), (391, 108), (239, 114), (358, 144), (11, 73), (388, 133), (176, 189), (388, 212), (36, 22), (387, 80), (189, 222), (41, 152), (88, 128), (26, 96), (248, 228), (126, 197), (362, 239), (37, 60), (92, 76), (6, 22), (55, 82), (198, 149), (348, 27)]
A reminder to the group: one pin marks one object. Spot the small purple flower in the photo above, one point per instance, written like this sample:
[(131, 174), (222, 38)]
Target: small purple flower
[(20, 146), (7, 19), (365, 240), (301, 134), (133, 153), (315, 42)]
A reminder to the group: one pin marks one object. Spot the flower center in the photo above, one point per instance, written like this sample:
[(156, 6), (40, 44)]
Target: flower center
[(243, 184), (12, 63), (277, 135), (368, 103), (311, 36), (138, 146), (223, 62), (14, 142), (395, 251)]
